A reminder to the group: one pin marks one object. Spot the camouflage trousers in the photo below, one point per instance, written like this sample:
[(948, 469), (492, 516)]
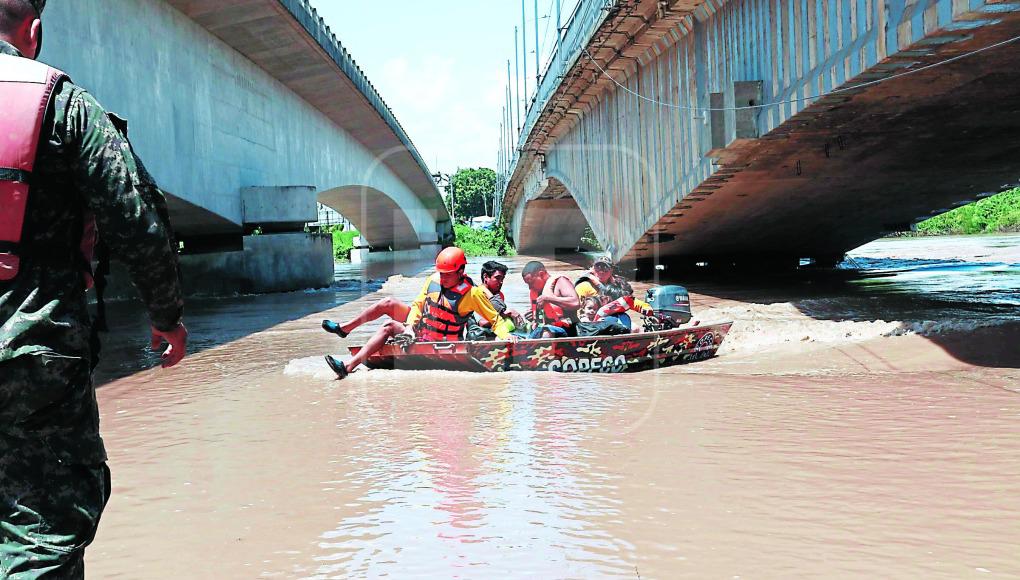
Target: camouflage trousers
[(54, 482), (50, 513)]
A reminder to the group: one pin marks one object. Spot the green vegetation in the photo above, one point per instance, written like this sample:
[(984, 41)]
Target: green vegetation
[(492, 242), (996, 214), (473, 192), (589, 241), (343, 243)]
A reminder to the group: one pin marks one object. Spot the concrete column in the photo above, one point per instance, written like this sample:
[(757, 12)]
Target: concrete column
[(279, 208), (285, 262)]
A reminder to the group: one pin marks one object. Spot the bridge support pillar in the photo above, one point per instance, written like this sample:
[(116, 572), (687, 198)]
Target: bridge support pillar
[(278, 208), (362, 254), (258, 264)]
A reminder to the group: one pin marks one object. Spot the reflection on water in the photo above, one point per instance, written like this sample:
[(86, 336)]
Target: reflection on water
[(250, 461), (484, 485)]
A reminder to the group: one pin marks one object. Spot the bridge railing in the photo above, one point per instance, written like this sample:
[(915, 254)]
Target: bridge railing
[(588, 15)]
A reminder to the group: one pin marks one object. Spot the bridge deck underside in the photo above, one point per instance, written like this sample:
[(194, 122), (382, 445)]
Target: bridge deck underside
[(846, 171)]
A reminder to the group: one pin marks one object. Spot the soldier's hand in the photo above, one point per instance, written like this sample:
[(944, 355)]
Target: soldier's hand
[(177, 341)]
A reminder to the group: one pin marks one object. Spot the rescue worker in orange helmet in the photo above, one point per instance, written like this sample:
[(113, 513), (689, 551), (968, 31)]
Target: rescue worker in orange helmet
[(439, 313)]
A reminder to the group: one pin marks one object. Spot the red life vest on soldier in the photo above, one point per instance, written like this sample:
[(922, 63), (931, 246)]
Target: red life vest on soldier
[(26, 88), (552, 314), (440, 318)]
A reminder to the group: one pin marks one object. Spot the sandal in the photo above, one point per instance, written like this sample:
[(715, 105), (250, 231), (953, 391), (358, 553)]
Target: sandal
[(330, 326), (338, 366)]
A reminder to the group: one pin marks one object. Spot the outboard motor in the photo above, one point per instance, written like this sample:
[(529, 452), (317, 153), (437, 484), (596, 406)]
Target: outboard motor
[(670, 304)]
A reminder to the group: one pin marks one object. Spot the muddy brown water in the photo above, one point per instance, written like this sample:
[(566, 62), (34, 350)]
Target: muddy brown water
[(837, 449)]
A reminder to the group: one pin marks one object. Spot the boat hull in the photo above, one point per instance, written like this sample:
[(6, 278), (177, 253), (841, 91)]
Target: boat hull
[(593, 354)]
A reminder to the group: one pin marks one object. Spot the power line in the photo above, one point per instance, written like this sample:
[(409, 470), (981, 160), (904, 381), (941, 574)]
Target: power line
[(800, 99), (548, 19)]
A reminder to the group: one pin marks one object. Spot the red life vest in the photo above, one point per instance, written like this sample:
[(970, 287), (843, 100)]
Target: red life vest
[(26, 88), (441, 320), (551, 313)]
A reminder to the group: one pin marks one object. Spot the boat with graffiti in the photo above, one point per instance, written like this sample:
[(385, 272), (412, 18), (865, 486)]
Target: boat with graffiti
[(592, 354)]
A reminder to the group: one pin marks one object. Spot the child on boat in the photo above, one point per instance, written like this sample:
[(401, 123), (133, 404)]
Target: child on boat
[(617, 298), (589, 309)]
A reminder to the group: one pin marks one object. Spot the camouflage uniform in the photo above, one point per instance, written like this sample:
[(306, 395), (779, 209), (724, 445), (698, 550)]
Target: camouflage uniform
[(54, 482)]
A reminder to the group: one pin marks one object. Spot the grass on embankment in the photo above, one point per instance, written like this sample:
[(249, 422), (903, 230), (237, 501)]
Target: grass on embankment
[(343, 243), (474, 242), (492, 242), (997, 214)]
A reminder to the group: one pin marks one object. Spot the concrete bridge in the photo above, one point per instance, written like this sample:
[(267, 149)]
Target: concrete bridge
[(248, 112), (765, 131)]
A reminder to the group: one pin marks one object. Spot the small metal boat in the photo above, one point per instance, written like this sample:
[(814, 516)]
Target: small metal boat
[(592, 354)]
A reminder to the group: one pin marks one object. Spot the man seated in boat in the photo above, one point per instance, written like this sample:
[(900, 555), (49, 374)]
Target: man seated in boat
[(554, 302), (493, 277), (592, 283), (446, 302)]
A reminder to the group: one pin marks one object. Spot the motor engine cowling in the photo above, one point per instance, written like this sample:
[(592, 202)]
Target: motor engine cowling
[(670, 304)]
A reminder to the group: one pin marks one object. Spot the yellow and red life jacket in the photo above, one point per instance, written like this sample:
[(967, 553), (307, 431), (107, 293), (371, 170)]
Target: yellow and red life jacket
[(26, 88), (441, 320)]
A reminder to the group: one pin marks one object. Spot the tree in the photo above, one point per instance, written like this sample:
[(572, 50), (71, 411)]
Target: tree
[(473, 191)]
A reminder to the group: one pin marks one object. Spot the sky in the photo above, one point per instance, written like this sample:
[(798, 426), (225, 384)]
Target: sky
[(440, 65)]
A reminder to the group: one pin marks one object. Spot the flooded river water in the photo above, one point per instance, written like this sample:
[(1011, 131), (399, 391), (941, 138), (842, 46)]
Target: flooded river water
[(856, 424)]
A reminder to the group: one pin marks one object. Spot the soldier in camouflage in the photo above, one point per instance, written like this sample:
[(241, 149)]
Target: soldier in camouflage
[(54, 482)]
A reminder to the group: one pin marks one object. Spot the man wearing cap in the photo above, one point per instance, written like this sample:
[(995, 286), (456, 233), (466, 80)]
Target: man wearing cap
[(66, 170), (439, 314), (591, 282)]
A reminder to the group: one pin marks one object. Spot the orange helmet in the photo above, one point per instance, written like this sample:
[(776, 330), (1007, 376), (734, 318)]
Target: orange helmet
[(450, 260)]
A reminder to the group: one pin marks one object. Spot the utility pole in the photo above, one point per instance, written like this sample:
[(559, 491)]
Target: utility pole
[(538, 68), (440, 177), (517, 77), (508, 98), (485, 205), (524, 53), (504, 145), (557, 48)]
